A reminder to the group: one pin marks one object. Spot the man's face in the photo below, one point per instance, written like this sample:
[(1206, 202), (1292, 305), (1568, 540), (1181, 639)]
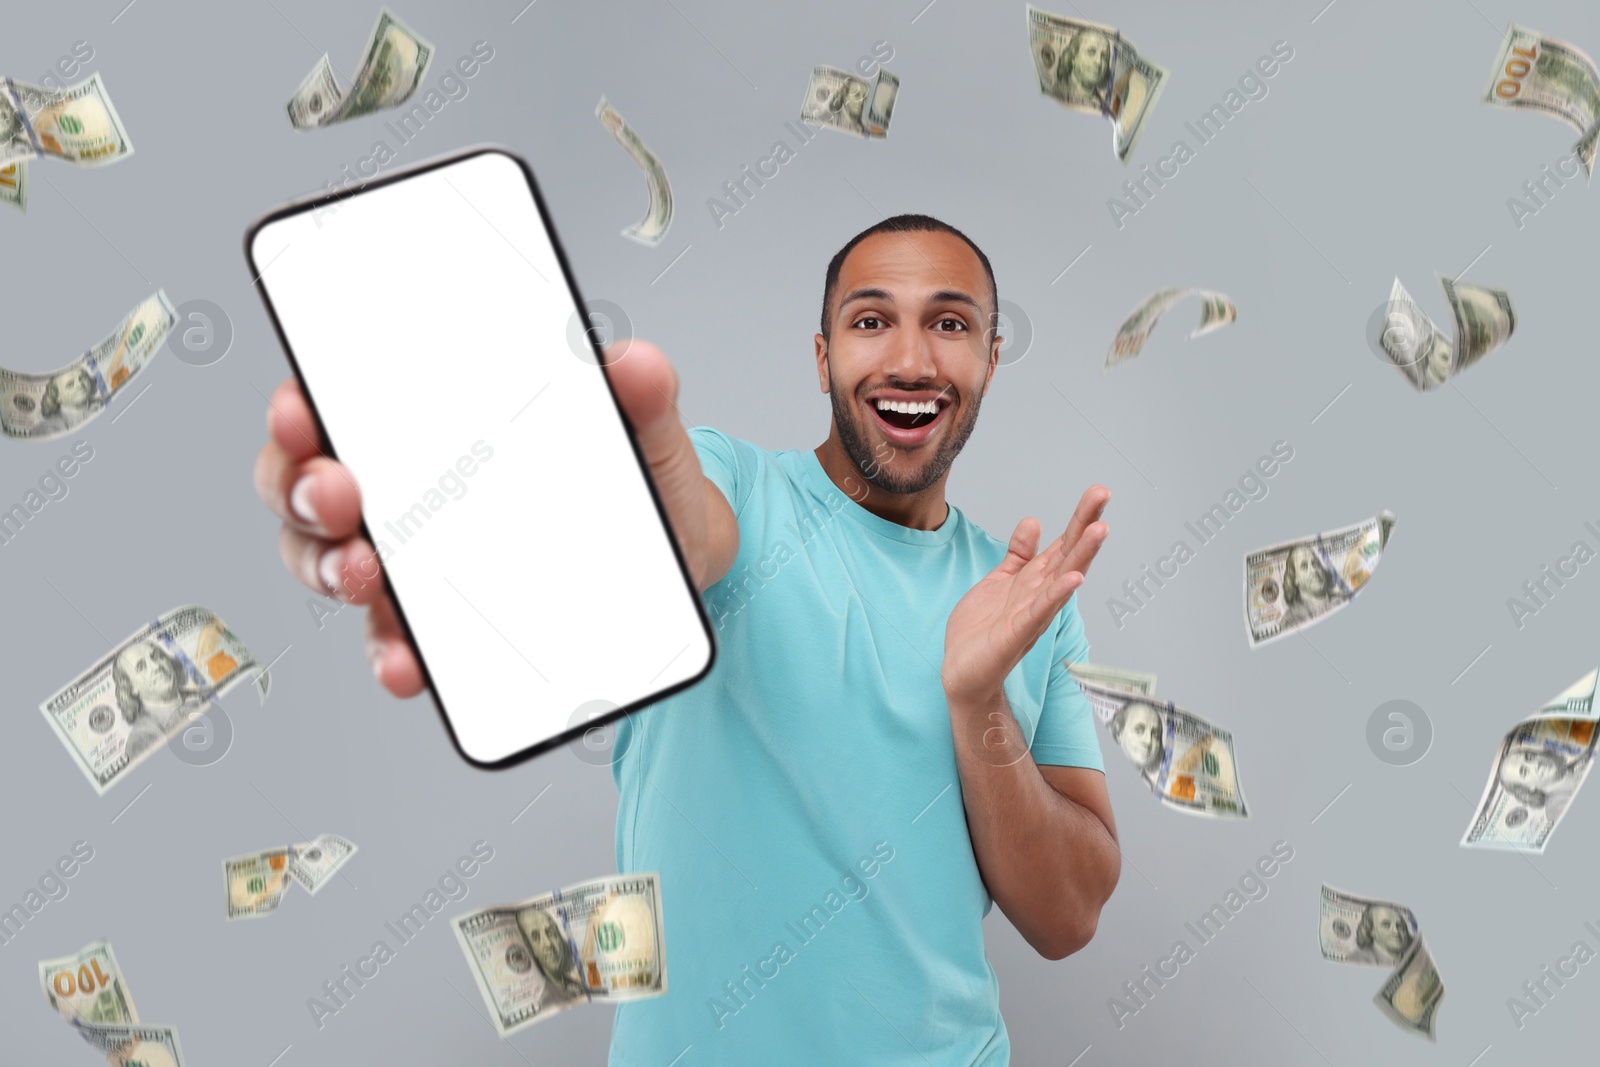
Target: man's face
[(1531, 767), (909, 323), (1309, 576), (1389, 931), (1093, 59), (152, 672), (1141, 733), (545, 938)]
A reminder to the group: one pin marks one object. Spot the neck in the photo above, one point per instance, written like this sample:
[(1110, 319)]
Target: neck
[(925, 510)]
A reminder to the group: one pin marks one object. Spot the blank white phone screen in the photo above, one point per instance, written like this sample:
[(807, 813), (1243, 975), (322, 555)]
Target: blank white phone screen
[(438, 338)]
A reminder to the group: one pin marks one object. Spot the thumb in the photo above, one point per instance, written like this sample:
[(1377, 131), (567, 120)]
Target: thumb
[(647, 391)]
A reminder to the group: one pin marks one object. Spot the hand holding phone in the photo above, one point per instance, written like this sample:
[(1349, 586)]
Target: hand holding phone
[(524, 540)]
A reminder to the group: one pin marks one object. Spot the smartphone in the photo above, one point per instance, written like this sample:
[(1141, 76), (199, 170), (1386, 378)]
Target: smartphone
[(446, 352)]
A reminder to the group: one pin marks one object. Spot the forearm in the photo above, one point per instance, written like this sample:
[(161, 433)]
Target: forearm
[(1049, 862)]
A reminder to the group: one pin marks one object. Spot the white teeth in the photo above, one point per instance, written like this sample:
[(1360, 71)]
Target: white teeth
[(907, 407)]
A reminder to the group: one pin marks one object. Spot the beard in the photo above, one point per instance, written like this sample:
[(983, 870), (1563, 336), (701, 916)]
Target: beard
[(853, 437)]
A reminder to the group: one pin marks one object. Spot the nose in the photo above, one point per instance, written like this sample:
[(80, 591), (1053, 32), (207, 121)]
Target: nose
[(910, 357)]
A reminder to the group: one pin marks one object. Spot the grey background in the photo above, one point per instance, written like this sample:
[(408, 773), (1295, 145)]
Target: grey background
[(1370, 157)]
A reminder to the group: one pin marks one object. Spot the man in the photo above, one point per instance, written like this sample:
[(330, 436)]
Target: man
[(890, 707), (1382, 936), (1136, 728)]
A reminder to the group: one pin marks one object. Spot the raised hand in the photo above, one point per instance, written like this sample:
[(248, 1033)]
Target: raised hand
[(1000, 618)]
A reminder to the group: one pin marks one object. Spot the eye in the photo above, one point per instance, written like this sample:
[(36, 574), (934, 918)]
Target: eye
[(949, 318), (867, 319)]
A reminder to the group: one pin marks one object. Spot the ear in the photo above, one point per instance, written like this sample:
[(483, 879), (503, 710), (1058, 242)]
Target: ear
[(821, 344)]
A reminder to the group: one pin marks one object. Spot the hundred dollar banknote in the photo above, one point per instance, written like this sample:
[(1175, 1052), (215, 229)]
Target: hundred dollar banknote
[(1364, 930), (1216, 311), (1113, 677), (1484, 320), (1381, 933), (38, 407), (1186, 761), (14, 185), (1546, 74), (392, 67), (855, 105), (125, 705), (88, 986), (313, 865), (1087, 67), (1410, 997), (598, 940), (658, 217), (1290, 586), (255, 883), (77, 124), (88, 990), (1537, 772)]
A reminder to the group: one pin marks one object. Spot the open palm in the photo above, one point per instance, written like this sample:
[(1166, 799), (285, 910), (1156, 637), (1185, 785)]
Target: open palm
[(995, 624)]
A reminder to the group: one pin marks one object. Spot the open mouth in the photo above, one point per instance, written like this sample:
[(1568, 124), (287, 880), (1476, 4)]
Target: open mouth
[(908, 421)]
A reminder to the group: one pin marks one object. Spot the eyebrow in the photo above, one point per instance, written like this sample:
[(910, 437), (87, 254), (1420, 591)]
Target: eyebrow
[(941, 296)]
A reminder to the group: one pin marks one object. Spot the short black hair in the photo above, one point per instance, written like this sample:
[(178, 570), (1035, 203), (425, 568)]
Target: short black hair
[(900, 224)]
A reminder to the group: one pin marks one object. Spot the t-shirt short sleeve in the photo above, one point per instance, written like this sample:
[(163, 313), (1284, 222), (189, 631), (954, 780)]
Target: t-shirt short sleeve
[(729, 462), (1065, 736)]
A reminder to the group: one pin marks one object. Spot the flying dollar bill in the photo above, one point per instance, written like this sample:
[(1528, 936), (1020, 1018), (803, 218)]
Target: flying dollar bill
[(1364, 930), (1216, 311), (313, 865), (1186, 761), (255, 883), (1381, 933), (1113, 677), (1545, 74), (14, 185), (1537, 771), (653, 227), (392, 67), (88, 986), (1087, 67), (1292, 585), (77, 124), (38, 407), (1427, 358), (598, 940), (88, 990), (114, 715), (849, 103)]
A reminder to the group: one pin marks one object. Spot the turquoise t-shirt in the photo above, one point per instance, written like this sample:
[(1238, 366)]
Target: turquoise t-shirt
[(801, 803)]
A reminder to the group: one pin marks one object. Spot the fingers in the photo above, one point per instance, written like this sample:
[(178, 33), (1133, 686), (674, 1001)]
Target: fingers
[(1080, 555), (389, 653), (290, 422), (1090, 507), (348, 570), (1024, 543), (316, 496)]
